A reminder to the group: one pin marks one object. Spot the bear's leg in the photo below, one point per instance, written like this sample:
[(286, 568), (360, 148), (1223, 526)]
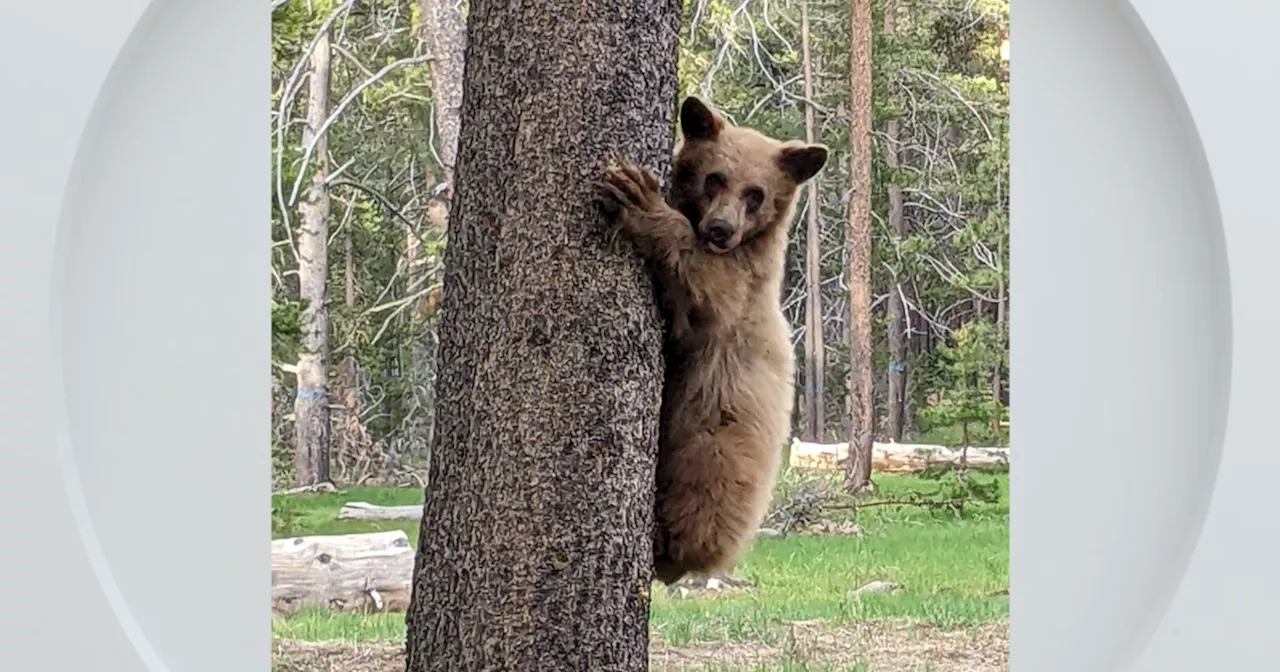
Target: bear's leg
[(663, 569), (712, 493)]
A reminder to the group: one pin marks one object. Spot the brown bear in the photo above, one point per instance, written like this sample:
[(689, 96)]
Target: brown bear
[(717, 245)]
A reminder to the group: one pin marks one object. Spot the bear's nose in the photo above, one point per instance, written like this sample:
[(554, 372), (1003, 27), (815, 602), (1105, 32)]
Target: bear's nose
[(719, 231)]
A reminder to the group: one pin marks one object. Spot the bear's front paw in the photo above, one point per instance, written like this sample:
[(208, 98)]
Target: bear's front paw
[(630, 190)]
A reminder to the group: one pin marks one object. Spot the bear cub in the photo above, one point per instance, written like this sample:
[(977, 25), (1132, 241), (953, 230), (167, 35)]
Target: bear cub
[(717, 245)]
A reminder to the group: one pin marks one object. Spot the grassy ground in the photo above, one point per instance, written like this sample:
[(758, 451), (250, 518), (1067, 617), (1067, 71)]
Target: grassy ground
[(952, 607)]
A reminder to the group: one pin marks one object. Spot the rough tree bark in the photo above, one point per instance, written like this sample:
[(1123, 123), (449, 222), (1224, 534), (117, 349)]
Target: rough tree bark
[(814, 349), (311, 406), (862, 410), (535, 552), (897, 326)]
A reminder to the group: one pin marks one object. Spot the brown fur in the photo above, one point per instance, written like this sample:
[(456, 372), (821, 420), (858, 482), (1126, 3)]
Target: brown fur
[(730, 373)]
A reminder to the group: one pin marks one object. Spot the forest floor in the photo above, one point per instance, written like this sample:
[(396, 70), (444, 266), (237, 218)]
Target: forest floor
[(948, 613)]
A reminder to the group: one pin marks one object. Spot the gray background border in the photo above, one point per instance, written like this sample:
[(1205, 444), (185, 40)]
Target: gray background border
[(135, 403), (137, 127), (1143, 454)]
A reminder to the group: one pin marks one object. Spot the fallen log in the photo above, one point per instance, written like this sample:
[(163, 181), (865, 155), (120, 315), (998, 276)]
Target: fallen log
[(351, 572), (896, 457), (367, 511)]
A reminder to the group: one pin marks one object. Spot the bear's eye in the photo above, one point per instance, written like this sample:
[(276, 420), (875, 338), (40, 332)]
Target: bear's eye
[(714, 182), (754, 197), (683, 174)]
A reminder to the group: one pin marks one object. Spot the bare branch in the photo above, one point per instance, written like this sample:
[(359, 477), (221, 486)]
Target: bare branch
[(340, 108)]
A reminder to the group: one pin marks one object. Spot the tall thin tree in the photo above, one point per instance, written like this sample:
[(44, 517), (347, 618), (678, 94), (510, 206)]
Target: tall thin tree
[(814, 349), (897, 318), (862, 404), (1002, 300), (535, 551), (311, 406), (349, 369), (444, 39)]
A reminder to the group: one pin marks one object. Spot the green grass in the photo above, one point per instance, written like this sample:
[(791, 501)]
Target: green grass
[(953, 436), (318, 514), (954, 572)]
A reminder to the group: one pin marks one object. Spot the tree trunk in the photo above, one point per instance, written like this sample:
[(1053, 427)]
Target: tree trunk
[(348, 270), (353, 435), (997, 371), (421, 349), (444, 37), (897, 327), (536, 546), (858, 473), (421, 346), (311, 407), (897, 307), (917, 344), (814, 350)]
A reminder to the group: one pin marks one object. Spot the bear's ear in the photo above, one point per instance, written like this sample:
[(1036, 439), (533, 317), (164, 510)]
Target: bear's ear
[(697, 121), (801, 162)]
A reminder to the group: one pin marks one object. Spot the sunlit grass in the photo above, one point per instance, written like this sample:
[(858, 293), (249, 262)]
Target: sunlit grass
[(954, 572)]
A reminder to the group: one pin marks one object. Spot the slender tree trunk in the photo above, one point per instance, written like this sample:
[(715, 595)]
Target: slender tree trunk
[(348, 270), (847, 425), (997, 372), (421, 349), (413, 258), (444, 37), (311, 407), (858, 472), (814, 349), (536, 547), (897, 354), (897, 307), (354, 437), (917, 344), (347, 371)]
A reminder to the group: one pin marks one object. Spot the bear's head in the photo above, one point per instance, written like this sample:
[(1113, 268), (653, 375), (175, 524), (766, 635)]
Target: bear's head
[(734, 183)]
